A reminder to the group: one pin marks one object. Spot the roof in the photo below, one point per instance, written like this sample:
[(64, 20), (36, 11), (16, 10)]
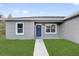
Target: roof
[(38, 18), (72, 15), (47, 18)]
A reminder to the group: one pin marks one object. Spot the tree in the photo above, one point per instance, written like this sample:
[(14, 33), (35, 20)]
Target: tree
[(1, 16), (10, 15)]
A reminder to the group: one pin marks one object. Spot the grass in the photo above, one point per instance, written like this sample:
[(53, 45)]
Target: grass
[(16, 47), (61, 47)]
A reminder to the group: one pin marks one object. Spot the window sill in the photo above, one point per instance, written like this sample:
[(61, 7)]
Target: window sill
[(51, 33), (19, 33)]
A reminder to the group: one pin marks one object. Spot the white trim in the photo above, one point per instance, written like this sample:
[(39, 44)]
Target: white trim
[(16, 28), (51, 32), (41, 30)]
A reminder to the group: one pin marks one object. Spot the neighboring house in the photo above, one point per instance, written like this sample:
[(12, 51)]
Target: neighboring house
[(43, 27)]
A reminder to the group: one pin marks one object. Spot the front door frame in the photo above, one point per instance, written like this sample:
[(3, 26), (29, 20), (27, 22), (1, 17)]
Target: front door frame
[(41, 31)]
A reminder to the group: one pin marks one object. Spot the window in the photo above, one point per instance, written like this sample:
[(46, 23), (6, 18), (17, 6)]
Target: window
[(51, 28), (19, 28)]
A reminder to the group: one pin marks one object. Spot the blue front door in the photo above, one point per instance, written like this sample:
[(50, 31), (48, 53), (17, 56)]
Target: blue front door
[(38, 31)]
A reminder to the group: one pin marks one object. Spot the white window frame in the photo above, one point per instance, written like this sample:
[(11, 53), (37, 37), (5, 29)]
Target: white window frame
[(51, 32), (17, 28)]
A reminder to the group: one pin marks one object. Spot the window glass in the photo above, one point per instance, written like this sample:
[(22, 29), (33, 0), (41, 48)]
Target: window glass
[(20, 25), (50, 28), (19, 28), (47, 30)]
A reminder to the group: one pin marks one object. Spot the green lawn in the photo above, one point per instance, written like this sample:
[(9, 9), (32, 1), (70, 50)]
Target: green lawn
[(16, 47), (61, 47)]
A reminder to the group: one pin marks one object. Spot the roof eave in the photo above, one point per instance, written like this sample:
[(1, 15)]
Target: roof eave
[(72, 16)]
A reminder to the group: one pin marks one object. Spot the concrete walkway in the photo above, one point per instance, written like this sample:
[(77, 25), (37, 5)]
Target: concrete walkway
[(40, 49)]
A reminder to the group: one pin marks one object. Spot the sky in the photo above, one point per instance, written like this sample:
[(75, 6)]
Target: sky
[(38, 9)]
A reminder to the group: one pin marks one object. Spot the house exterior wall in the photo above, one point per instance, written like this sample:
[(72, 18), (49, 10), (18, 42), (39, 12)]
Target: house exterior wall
[(11, 30), (29, 30), (49, 36), (70, 29)]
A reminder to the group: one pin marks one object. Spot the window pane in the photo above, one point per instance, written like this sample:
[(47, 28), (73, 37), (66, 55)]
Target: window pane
[(47, 30), (20, 26), (48, 27), (52, 26), (52, 30), (20, 30)]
